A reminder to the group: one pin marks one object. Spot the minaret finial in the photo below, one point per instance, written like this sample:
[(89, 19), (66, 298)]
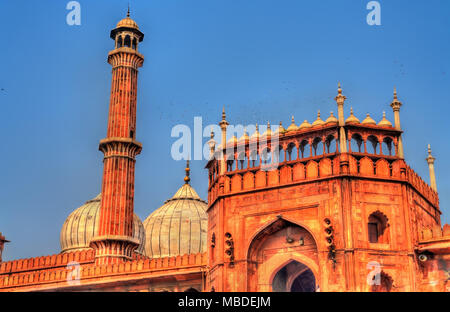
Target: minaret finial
[(395, 93), (128, 12), (188, 170), (340, 99)]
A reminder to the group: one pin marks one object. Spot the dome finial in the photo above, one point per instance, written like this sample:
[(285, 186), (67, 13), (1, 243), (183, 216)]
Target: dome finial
[(128, 12), (188, 170)]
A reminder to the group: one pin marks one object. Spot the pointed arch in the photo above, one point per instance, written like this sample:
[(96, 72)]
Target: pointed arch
[(278, 222)]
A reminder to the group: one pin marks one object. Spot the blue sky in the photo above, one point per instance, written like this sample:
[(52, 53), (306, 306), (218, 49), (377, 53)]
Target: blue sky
[(262, 59)]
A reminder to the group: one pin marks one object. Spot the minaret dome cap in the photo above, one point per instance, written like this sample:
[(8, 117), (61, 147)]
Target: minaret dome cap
[(127, 24)]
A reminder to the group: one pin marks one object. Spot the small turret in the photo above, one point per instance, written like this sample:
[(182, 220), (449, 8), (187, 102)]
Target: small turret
[(340, 99), (430, 160), (396, 104), (212, 145), (223, 125)]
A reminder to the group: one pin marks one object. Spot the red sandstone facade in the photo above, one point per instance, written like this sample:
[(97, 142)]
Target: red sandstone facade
[(259, 208), (330, 213)]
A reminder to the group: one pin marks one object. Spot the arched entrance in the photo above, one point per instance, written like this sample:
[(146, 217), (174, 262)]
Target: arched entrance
[(282, 257), (294, 277)]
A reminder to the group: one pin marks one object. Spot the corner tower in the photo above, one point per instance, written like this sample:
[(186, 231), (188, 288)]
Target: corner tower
[(114, 240)]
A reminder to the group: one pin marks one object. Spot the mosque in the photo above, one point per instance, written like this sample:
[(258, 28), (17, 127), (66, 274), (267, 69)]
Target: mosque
[(340, 211)]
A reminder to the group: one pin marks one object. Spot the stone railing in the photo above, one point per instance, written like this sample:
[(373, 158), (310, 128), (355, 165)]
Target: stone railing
[(421, 186), (46, 262), (318, 167), (13, 275)]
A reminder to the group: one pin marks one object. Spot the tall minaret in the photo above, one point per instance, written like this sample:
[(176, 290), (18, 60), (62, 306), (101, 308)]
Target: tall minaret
[(114, 243), (430, 160), (396, 104)]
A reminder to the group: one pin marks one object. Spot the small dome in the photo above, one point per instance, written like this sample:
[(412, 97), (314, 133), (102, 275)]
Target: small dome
[(178, 227), (256, 134), (293, 126), (244, 137), (127, 22), (331, 119), (82, 225), (318, 121), (368, 120), (384, 122), (268, 131), (305, 125), (280, 129), (351, 118), (233, 140)]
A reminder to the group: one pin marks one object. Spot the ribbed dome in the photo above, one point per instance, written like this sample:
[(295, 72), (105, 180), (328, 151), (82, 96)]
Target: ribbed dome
[(352, 118), (305, 125), (368, 120), (82, 225), (318, 121), (127, 22), (245, 136), (331, 119), (178, 227), (280, 129), (268, 131), (293, 126), (255, 135), (384, 122), (233, 140)]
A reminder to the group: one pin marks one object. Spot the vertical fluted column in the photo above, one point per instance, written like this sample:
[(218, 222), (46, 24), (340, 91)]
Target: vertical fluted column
[(114, 241)]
